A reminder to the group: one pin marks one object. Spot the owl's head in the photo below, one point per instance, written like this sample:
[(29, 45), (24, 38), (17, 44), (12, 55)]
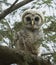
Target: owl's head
[(32, 19)]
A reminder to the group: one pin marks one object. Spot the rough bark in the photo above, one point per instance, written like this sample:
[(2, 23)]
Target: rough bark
[(9, 56)]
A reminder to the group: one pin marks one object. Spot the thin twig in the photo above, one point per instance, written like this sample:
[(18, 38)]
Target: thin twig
[(13, 4)]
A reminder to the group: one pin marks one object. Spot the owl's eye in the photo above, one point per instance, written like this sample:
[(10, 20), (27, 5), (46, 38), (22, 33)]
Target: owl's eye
[(28, 18), (36, 18)]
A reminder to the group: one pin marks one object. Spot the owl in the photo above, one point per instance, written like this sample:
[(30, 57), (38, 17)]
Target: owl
[(28, 39)]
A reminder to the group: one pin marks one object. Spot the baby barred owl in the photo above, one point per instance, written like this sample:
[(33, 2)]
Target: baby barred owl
[(29, 37)]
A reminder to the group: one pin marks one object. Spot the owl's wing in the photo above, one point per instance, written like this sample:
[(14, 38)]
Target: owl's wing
[(16, 40), (17, 27)]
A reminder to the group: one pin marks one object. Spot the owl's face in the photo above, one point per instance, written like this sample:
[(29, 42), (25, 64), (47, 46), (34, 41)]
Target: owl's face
[(32, 19)]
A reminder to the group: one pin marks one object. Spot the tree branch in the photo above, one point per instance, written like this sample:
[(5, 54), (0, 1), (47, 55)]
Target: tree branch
[(9, 56), (16, 6), (13, 4)]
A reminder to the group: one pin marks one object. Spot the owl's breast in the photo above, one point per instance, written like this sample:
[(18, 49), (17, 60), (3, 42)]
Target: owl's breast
[(27, 39), (30, 37), (27, 36)]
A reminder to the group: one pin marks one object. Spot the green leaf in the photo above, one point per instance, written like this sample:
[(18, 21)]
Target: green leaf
[(18, 26)]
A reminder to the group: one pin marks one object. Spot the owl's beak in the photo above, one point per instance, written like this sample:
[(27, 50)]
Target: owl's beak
[(33, 23)]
